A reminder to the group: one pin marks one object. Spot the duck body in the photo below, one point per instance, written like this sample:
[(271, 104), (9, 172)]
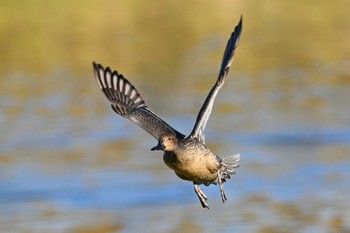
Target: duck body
[(193, 161)]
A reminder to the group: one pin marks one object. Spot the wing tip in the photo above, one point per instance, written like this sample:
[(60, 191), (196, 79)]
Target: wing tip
[(237, 31), (97, 67)]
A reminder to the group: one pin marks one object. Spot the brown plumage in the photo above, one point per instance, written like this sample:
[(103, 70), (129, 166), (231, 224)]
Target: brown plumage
[(187, 156)]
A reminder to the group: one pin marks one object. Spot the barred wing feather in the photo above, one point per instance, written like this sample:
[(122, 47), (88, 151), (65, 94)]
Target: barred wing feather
[(127, 102)]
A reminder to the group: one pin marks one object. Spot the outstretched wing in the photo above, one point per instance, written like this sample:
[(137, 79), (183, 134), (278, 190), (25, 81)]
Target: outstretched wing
[(127, 102), (203, 115)]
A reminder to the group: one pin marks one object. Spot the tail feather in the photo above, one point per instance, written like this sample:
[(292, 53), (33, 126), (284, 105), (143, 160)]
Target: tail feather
[(228, 165)]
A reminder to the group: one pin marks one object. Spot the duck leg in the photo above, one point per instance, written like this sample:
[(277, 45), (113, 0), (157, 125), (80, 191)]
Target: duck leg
[(221, 185), (202, 197)]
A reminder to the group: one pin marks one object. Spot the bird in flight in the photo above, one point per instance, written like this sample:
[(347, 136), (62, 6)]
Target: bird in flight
[(187, 156)]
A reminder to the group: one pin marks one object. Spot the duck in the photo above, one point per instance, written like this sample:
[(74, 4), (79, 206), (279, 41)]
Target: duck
[(187, 156)]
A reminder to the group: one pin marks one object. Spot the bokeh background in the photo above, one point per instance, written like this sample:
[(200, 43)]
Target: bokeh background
[(69, 164)]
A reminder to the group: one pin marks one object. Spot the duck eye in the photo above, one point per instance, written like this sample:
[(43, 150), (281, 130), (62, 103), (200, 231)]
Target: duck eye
[(169, 139)]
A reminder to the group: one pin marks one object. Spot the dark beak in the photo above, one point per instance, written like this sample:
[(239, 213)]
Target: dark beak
[(160, 146)]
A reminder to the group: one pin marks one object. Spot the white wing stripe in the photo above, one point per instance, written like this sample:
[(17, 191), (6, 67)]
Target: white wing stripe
[(102, 81), (108, 79), (133, 94), (115, 79), (120, 87), (97, 77), (127, 88)]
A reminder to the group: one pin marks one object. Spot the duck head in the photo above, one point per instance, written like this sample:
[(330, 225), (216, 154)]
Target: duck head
[(167, 142)]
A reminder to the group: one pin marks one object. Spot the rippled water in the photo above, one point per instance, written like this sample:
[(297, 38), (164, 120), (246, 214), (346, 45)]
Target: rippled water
[(69, 164)]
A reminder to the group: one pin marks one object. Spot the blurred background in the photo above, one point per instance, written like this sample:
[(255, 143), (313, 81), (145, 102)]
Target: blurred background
[(68, 163)]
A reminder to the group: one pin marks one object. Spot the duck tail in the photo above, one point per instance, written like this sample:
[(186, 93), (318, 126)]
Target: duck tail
[(227, 167)]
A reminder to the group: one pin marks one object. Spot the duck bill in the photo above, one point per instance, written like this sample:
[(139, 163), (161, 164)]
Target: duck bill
[(160, 146)]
